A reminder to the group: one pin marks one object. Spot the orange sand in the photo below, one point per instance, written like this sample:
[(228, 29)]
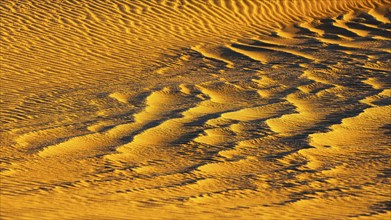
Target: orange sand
[(195, 109)]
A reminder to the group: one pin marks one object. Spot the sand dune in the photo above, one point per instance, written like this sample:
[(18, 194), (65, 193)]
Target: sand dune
[(190, 109)]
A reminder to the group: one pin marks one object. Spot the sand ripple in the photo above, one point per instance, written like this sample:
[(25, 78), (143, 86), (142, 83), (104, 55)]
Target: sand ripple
[(187, 109)]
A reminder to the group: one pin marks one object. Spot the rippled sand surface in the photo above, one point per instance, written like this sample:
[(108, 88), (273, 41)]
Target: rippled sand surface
[(195, 109)]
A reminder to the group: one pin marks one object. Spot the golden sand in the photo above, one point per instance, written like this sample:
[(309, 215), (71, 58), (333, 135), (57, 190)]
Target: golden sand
[(195, 109)]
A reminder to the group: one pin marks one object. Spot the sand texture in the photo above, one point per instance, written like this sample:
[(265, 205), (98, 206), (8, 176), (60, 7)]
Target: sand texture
[(195, 109)]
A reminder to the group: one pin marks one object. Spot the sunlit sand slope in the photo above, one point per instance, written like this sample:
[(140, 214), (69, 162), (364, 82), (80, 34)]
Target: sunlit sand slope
[(242, 109)]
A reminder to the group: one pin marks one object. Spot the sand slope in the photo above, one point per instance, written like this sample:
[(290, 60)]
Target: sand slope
[(190, 109)]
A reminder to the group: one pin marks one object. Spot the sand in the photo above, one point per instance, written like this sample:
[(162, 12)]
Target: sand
[(195, 109)]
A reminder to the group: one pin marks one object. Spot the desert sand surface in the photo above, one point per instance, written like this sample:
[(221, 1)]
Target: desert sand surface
[(195, 109)]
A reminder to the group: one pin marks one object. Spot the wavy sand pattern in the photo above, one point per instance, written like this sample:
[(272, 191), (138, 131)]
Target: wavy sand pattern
[(195, 109)]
